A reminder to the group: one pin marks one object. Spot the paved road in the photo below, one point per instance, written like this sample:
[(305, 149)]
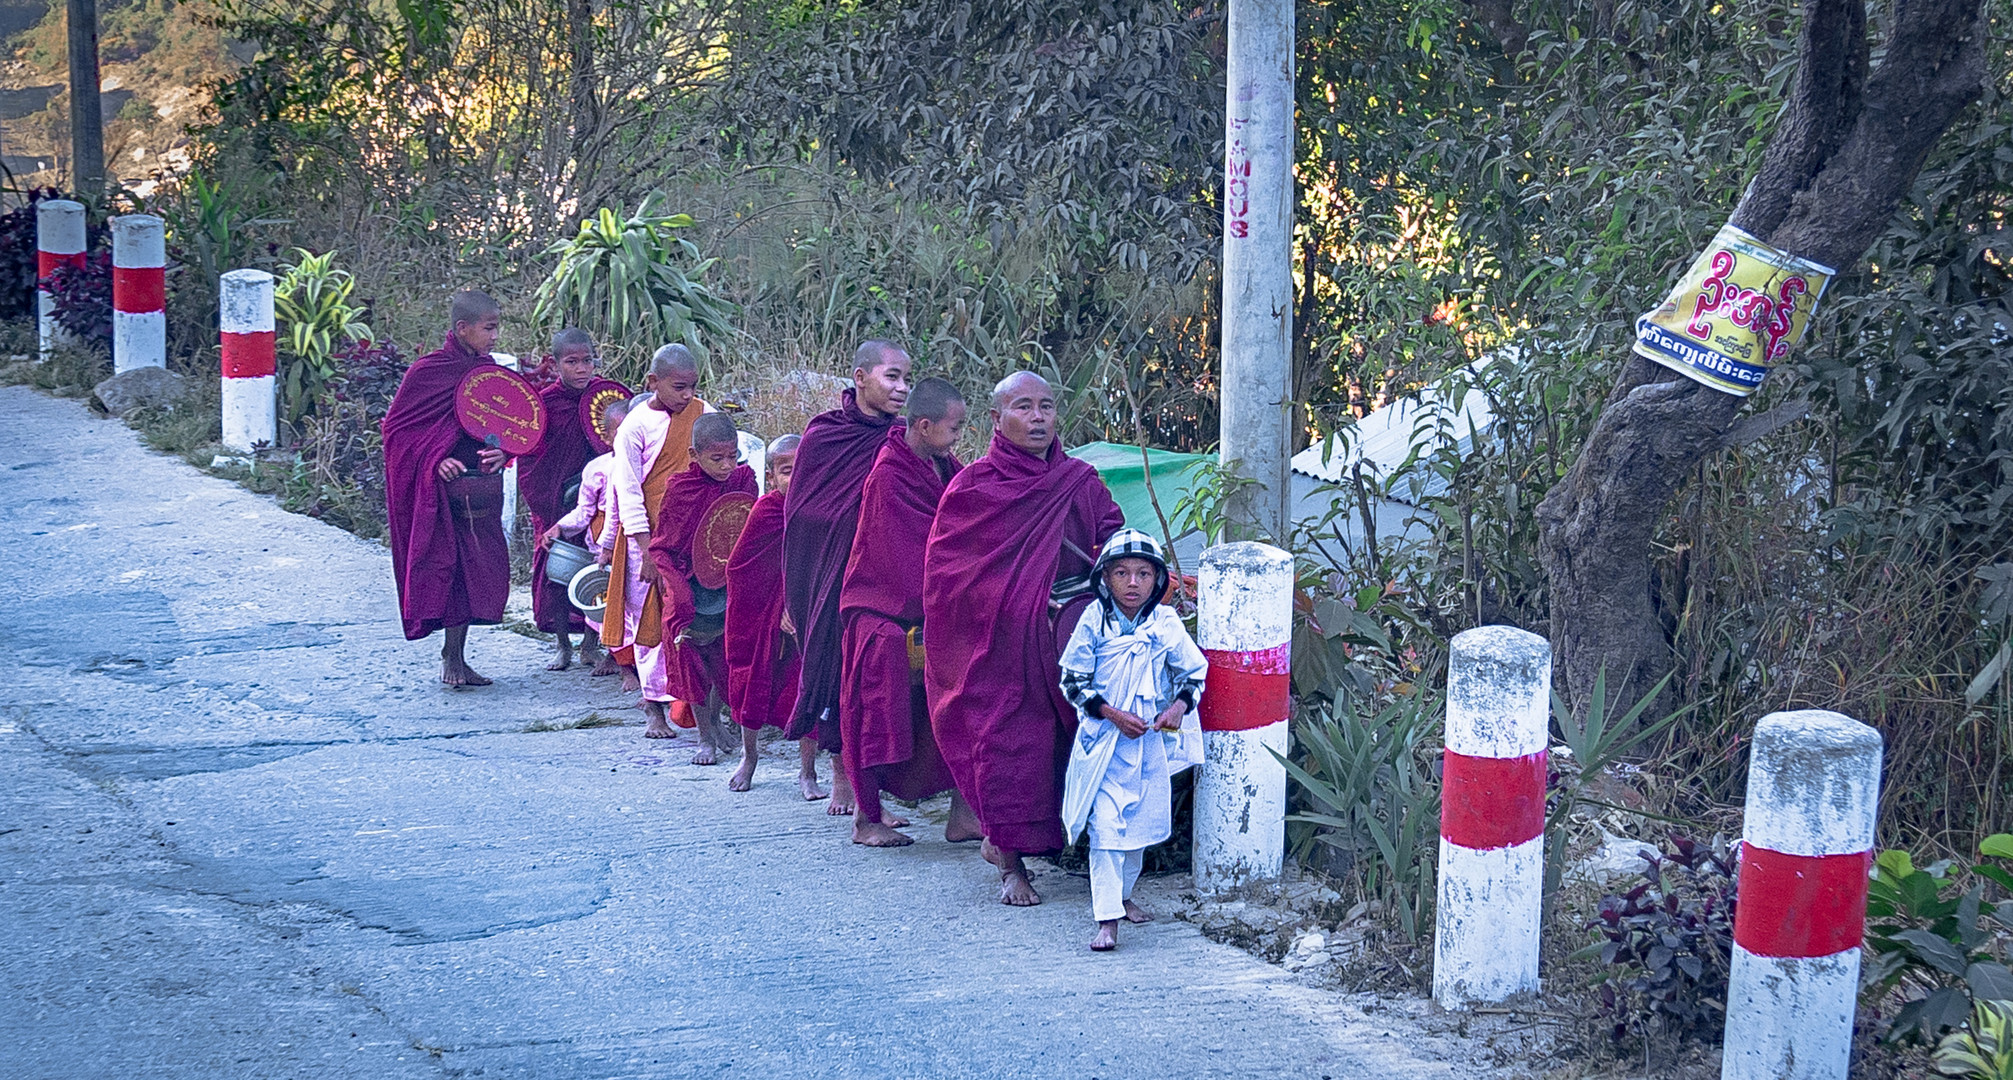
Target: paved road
[(244, 833)]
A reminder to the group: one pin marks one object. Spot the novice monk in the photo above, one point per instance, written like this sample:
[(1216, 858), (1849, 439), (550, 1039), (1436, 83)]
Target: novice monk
[(694, 656), (444, 495), (819, 517), (1010, 527), (541, 484), (592, 519), (762, 661), (1128, 660), (886, 740), (653, 445)]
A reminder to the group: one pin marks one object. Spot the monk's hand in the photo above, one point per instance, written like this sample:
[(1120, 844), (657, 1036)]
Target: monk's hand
[(549, 535), (789, 627), (602, 556), (449, 468), (1132, 727), (647, 568), (1170, 717), (492, 458)]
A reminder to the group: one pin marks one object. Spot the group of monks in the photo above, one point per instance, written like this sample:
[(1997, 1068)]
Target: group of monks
[(885, 602)]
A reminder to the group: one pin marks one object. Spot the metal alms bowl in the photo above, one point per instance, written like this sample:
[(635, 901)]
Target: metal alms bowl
[(588, 591), (565, 559)]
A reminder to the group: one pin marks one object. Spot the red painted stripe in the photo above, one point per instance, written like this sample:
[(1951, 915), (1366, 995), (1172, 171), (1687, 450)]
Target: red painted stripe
[(248, 356), (1247, 690), (139, 290), (1489, 803), (1800, 905), (46, 262)]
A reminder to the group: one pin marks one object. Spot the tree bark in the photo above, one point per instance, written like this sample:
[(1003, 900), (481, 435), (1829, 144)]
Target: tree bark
[(1846, 150), (87, 117)]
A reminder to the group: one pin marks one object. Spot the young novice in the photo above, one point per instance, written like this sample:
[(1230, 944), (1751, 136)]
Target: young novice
[(695, 658), (542, 478), (589, 519), (1134, 675), (763, 664)]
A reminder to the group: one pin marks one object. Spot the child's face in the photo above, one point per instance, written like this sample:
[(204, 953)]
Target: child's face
[(780, 468), (480, 336), (576, 367), (938, 436), (1130, 581), (717, 460), (673, 391)]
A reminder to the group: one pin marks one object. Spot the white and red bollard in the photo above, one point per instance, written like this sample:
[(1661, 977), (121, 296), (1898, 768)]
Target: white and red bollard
[(59, 241), (1492, 817), (139, 293), (1813, 791), (1245, 627), (245, 315)]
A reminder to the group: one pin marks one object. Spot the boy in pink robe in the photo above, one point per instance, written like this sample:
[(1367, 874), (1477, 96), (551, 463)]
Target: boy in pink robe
[(591, 519)]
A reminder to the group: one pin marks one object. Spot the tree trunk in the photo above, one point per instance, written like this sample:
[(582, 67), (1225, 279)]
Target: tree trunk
[(87, 117), (1847, 149)]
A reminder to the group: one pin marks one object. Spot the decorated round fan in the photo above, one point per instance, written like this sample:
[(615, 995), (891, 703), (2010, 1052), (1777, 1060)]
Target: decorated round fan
[(718, 532), (594, 402), (499, 407)]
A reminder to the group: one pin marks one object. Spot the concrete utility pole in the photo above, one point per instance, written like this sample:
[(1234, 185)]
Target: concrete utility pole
[(87, 120), (1258, 265)]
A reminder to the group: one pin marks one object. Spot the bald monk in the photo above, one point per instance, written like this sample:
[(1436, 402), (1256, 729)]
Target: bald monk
[(695, 658), (1013, 525), (887, 744), (819, 517), (763, 665), (542, 480), (444, 495), (653, 445)]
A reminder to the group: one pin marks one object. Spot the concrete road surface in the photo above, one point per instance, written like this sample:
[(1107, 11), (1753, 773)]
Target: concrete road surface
[(244, 832)]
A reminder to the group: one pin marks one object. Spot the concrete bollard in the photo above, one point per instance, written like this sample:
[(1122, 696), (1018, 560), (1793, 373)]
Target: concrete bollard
[(1492, 817), (245, 314), (1245, 627), (1813, 788), (139, 293), (59, 241)]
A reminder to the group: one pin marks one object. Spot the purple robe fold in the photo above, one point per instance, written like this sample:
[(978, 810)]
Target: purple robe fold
[(762, 662), (542, 478), (694, 672)]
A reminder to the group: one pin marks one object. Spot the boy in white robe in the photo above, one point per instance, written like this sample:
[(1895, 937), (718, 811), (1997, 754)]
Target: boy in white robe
[(1134, 675)]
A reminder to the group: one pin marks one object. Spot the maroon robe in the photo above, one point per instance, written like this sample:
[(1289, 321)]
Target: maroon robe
[(1003, 536), (887, 744), (819, 516), (542, 478), (450, 571), (762, 662), (693, 672)]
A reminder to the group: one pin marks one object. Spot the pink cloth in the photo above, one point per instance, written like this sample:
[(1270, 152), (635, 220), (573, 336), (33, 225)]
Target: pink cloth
[(449, 571), (992, 646), (762, 662)]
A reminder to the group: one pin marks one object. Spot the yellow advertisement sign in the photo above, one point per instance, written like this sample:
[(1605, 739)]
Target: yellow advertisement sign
[(1735, 314)]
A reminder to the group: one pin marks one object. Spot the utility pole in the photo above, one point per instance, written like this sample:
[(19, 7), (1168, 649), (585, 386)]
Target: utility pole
[(87, 120), (1257, 369)]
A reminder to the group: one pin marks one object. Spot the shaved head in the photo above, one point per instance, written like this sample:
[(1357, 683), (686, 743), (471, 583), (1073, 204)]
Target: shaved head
[(472, 306), (571, 339), (785, 444), (1018, 382), (932, 399), (715, 429), (872, 354), (1024, 412), (674, 360)]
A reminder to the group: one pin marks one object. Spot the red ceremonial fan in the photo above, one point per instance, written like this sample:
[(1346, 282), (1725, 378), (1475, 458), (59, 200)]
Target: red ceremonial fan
[(594, 402), (718, 532), (499, 407)]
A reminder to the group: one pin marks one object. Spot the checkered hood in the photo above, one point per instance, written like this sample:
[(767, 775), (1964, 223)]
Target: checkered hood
[(1130, 544)]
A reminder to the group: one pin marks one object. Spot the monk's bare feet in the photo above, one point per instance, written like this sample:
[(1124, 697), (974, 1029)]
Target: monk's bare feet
[(894, 821), (631, 682), (455, 671), (1136, 914), (879, 834), (744, 777), (1107, 936), (563, 658), (963, 824), (1015, 888), (590, 650), (607, 666), (658, 727), (704, 755), (842, 804), (813, 791)]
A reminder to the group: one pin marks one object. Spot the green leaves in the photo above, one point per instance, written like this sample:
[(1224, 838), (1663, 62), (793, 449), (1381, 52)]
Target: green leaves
[(1985, 1052), (315, 320), (634, 282), (1926, 937)]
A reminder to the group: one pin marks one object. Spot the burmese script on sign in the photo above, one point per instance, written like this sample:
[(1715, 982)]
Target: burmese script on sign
[(495, 401), (1735, 314)]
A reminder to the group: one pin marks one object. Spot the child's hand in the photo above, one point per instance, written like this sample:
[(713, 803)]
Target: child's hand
[(1132, 727), (602, 556), (449, 468), (1170, 717), (492, 458)]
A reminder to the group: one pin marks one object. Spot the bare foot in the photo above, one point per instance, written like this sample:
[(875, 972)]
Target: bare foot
[(1136, 914), (458, 673), (811, 789), (878, 834), (704, 755), (657, 728), (744, 777), (894, 821), (631, 682), (963, 824), (606, 666), (1015, 889), (1107, 936), (842, 804)]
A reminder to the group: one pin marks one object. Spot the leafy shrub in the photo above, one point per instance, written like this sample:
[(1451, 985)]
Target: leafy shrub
[(81, 298), (1986, 1051), (634, 281), (316, 320), (1672, 938), (19, 266), (1925, 938)]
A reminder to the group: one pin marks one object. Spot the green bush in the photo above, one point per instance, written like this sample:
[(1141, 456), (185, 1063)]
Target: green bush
[(634, 282), (316, 321)]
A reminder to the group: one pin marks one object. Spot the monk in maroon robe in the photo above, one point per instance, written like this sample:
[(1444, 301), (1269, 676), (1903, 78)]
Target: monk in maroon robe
[(1010, 527), (542, 482), (763, 666), (444, 495), (695, 662), (819, 517), (887, 744)]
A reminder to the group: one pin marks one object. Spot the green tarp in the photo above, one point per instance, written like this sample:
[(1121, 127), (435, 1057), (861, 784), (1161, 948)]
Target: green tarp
[(1123, 472)]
